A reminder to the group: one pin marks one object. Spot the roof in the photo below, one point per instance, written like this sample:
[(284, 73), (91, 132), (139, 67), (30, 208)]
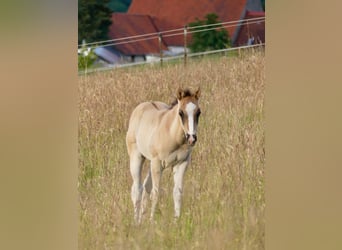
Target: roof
[(182, 12), (124, 25), (170, 39), (152, 16)]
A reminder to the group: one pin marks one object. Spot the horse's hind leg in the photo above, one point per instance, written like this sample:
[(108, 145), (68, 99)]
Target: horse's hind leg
[(147, 187), (156, 172), (136, 163)]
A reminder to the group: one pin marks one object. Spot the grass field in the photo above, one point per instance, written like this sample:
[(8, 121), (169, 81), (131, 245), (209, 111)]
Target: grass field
[(224, 199)]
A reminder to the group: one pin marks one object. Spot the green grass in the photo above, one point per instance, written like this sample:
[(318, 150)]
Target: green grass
[(224, 200)]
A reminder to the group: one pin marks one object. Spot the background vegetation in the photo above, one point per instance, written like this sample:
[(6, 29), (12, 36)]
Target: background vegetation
[(86, 59), (208, 39), (94, 19), (119, 5), (224, 200)]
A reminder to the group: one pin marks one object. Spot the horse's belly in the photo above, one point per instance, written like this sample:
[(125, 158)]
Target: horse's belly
[(143, 144)]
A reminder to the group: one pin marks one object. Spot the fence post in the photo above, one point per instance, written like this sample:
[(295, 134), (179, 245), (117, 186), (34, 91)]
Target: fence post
[(185, 45), (160, 49)]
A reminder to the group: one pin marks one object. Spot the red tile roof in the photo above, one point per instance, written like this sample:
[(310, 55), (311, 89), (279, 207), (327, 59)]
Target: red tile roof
[(152, 16), (253, 14), (170, 38), (124, 25), (182, 12)]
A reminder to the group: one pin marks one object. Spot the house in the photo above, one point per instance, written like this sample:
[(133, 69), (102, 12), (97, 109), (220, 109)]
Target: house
[(142, 36), (251, 30), (155, 16), (108, 55), (181, 12)]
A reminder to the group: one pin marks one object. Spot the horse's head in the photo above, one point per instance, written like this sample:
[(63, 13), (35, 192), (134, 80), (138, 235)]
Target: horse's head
[(188, 113)]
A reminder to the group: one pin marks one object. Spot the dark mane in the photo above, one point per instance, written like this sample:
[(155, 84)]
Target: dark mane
[(186, 92)]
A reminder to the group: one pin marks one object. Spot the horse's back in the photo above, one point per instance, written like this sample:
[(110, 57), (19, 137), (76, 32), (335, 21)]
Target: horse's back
[(143, 121), (147, 109)]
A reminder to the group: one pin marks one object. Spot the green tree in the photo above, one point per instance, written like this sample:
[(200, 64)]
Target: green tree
[(94, 19), (212, 39), (119, 5)]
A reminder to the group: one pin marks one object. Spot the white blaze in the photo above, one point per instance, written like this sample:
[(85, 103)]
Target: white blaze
[(190, 108)]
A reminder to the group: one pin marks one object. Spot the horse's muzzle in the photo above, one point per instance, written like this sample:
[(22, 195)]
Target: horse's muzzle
[(191, 139)]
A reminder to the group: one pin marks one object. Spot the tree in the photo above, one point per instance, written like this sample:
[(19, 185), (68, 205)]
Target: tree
[(213, 39), (263, 4), (119, 5), (94, 19)]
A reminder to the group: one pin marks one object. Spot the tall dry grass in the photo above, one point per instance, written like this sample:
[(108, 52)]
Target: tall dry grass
[(223, 202)]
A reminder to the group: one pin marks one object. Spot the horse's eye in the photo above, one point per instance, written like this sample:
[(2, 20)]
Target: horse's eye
[(181, 113), (198, 113)]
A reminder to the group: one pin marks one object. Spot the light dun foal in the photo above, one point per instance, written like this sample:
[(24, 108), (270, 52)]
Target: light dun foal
[(165, 135)]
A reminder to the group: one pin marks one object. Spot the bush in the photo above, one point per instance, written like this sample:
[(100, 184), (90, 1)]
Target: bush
[(86, 58), (213, 39)]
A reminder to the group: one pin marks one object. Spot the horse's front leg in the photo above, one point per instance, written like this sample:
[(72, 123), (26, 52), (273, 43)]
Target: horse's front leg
[(178, 176), (156, 172)]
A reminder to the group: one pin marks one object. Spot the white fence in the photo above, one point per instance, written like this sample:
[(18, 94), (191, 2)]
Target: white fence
[(169, 58), (168, 33)]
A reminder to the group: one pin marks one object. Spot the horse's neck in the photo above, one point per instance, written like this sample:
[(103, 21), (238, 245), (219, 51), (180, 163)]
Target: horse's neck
[(176, 130)]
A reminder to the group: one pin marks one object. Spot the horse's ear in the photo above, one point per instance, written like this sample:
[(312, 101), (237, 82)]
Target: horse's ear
[(179, 93), (198, 93)]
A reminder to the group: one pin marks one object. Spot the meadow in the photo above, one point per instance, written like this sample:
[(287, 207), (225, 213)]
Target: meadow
[(223, 198)]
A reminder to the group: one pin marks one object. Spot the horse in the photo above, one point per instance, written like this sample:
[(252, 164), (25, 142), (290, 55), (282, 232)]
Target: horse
[(165, 135)]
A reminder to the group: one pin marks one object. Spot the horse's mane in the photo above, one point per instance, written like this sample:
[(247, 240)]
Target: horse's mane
[(186, 92)]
